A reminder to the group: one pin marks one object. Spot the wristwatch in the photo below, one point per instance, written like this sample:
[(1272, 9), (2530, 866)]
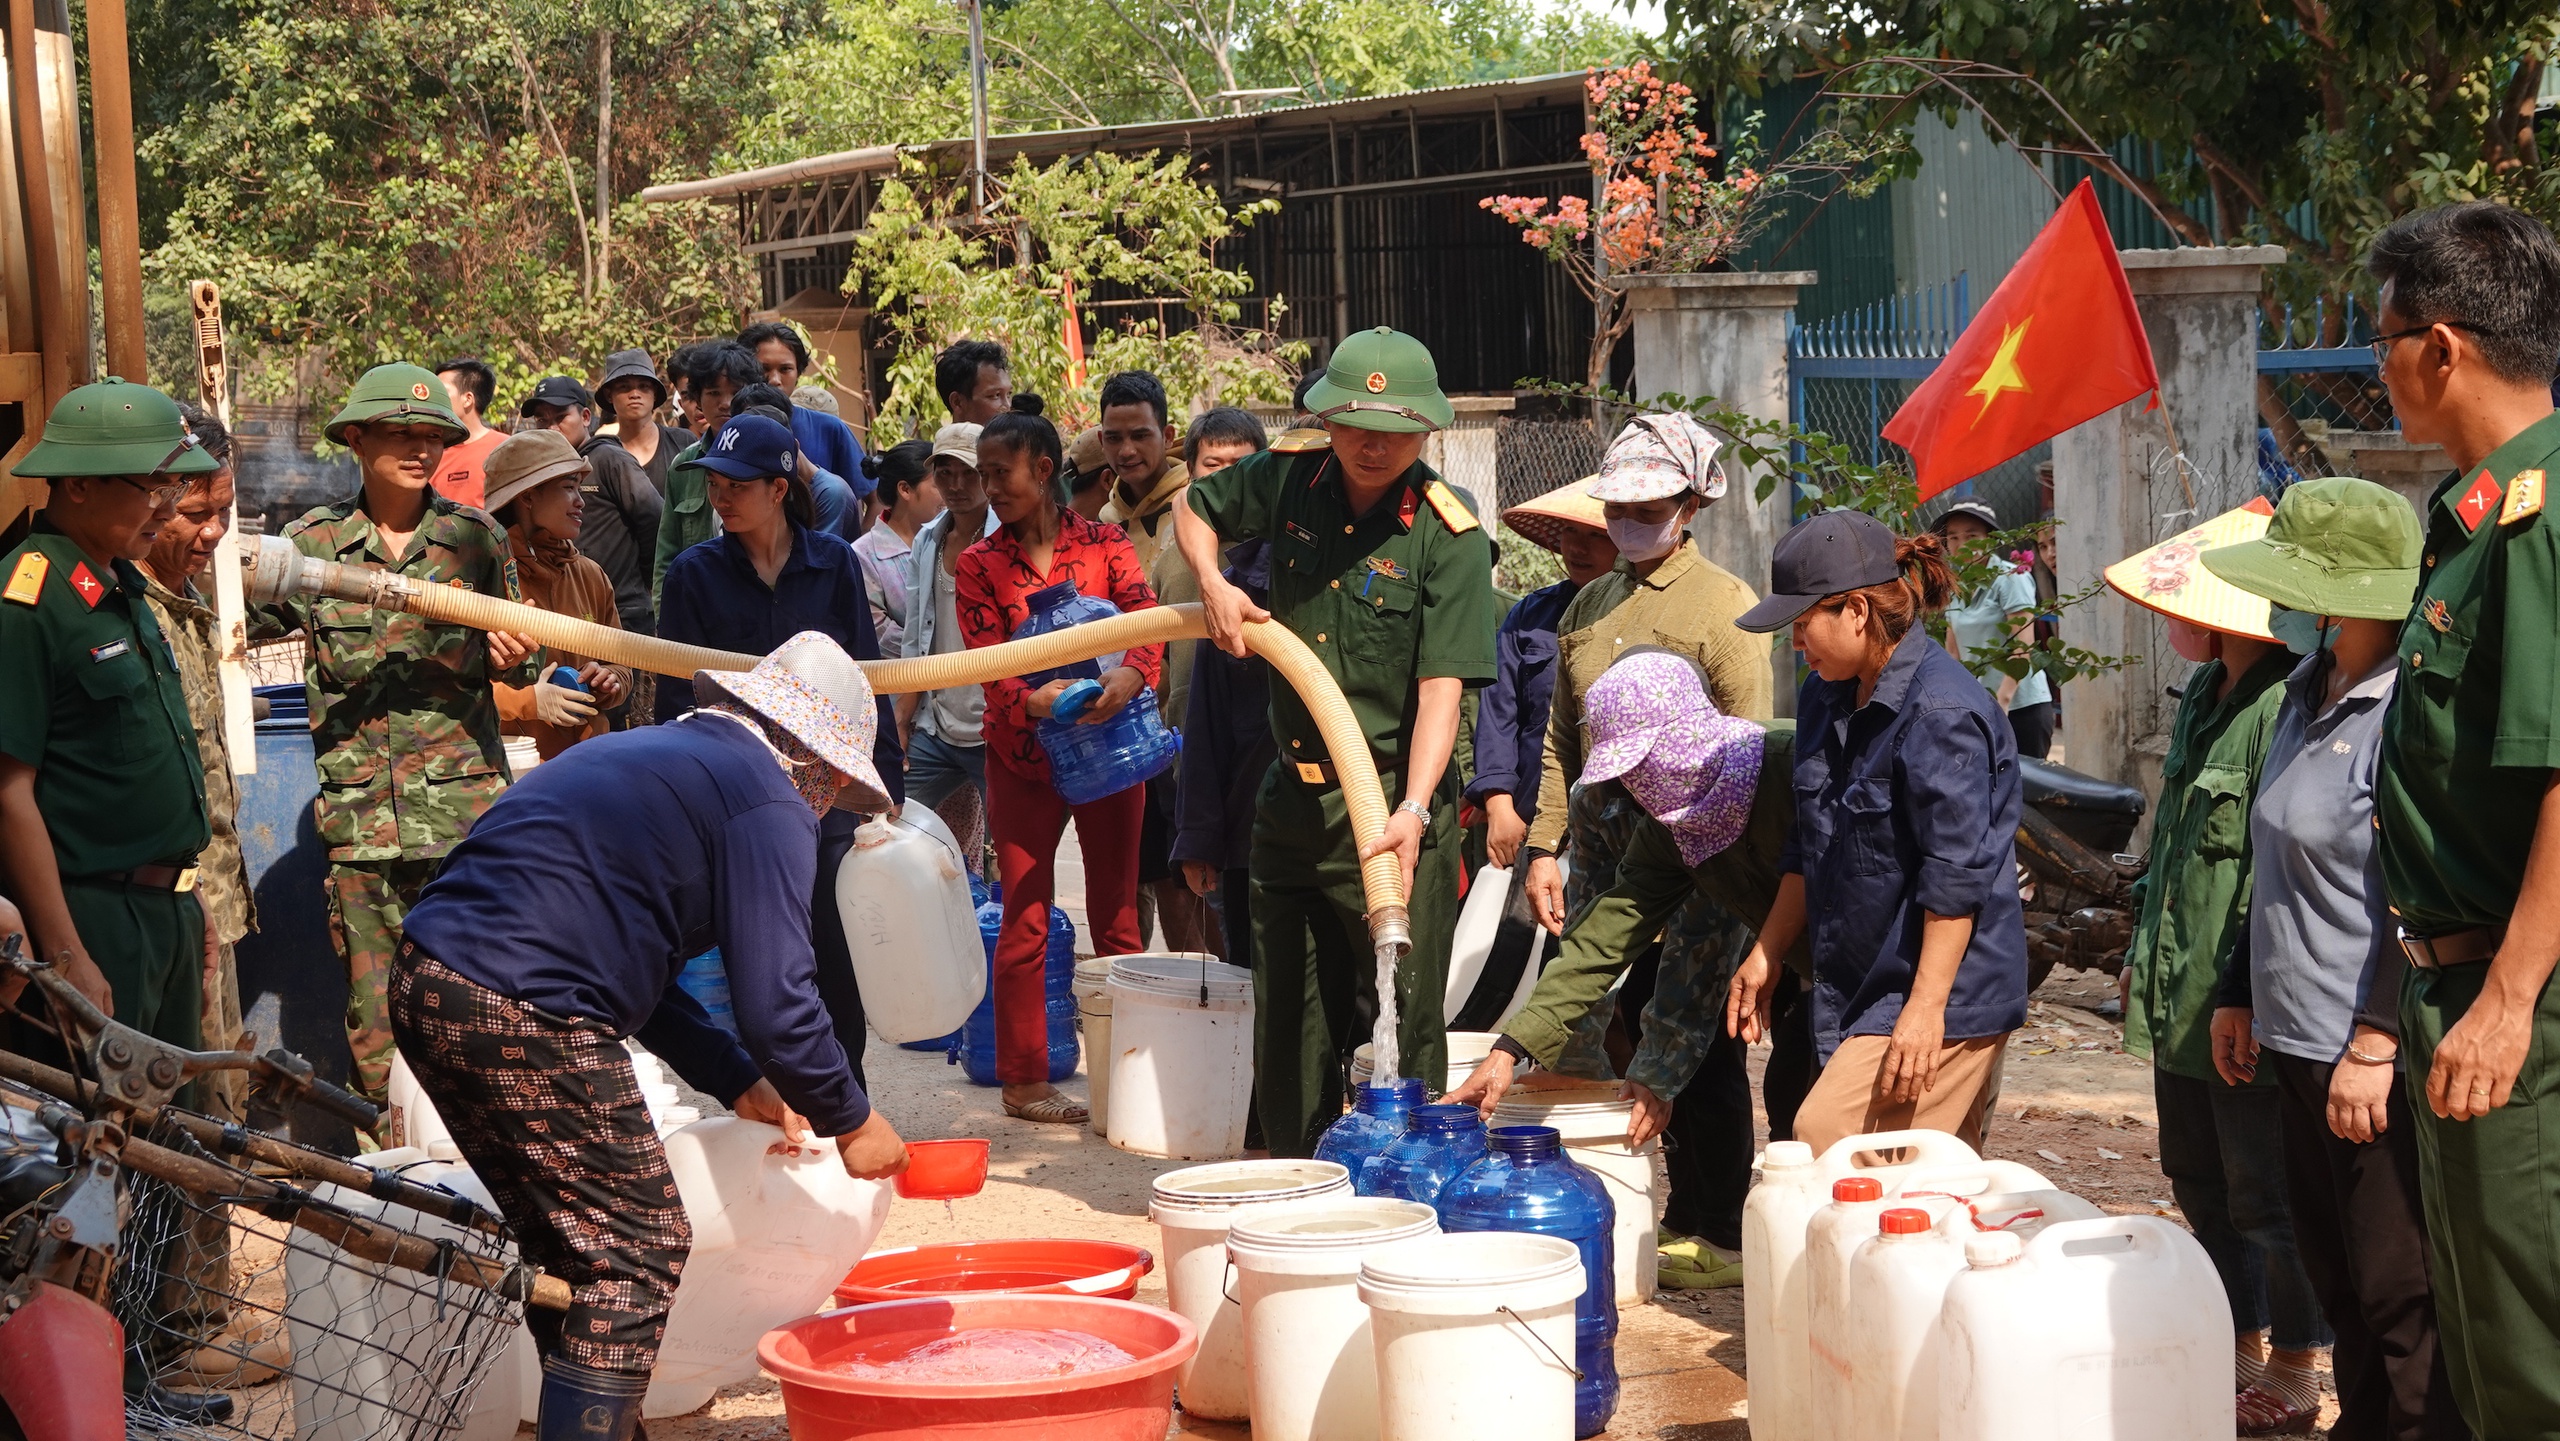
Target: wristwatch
[(1420, 812)]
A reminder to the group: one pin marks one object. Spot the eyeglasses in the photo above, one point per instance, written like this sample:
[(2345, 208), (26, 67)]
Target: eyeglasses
[(164, 495), (2382, 343)]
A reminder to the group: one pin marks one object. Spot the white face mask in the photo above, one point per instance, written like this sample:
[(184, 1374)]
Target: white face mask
[(1640, 542)]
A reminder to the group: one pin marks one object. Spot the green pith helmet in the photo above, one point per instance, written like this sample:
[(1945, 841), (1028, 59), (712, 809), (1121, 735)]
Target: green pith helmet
[(1381, 379), (115, 428), (399, 394), (2337, 547)]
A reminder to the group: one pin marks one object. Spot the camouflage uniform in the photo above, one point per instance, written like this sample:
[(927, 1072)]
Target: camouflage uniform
[(406, 731), (194, 633)]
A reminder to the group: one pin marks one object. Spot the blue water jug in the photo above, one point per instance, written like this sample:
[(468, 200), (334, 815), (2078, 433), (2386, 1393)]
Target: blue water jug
[(1438, 1143), (1375, 1121), (1054, 608), (706, 979), (1089, 762), (975, 1045), (1525, 1182), (979, 894)]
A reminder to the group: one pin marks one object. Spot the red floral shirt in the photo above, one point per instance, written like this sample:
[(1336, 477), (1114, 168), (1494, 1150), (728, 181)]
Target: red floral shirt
[(989, 588)]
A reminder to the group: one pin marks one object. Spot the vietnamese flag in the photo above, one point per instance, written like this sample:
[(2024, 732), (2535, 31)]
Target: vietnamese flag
[(2058, 343)]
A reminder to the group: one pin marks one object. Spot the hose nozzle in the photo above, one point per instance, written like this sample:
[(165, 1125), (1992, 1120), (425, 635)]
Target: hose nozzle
[(273, 570), (1390, 927)]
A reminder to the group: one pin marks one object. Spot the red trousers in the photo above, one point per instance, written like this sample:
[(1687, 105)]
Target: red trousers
[(1027, 818)]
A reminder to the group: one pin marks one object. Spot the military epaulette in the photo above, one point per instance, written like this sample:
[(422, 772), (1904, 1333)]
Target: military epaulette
[(2524, 497), (1298, 442), (1452, 510), (26, 583)]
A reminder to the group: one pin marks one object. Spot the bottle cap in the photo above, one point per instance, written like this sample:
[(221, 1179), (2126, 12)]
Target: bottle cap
[(1857, 1188), (1991, 1248), (1903, 1221), (1787, 1154)]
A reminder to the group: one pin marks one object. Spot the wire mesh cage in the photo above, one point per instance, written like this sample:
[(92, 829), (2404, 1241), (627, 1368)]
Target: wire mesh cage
[(308, 1341)]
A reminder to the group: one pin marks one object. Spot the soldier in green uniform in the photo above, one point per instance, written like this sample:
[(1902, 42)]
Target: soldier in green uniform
[(102, 804), (402, 717), (1388, 577), (2467, 802)]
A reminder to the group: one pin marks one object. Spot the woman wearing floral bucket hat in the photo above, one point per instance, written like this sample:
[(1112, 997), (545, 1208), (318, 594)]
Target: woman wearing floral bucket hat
[(2314, 994), (555, 932)]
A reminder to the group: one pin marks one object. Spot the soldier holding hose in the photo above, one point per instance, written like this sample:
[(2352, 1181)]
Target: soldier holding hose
[(1388, 577)]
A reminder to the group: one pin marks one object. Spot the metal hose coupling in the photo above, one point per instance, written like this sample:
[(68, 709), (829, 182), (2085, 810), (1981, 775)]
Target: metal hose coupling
[(1389, 926)]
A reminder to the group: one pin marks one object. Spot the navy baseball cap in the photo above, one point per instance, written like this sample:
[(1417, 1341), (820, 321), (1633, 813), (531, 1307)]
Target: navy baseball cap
[(751, 447), (1838, 550)]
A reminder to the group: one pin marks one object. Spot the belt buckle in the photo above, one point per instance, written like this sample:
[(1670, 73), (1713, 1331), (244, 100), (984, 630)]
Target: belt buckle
[(186, 880), (2420, 950), (1310, 772)]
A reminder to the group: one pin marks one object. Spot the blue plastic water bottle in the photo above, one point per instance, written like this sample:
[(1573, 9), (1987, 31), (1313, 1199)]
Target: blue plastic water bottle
[(974, 1045), (1438, 1143), (1374, 1123), (1089, 762), (706, 979), (1525, 1182)]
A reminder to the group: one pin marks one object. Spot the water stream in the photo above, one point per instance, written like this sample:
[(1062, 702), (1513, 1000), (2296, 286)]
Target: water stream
[(1386, 1061)]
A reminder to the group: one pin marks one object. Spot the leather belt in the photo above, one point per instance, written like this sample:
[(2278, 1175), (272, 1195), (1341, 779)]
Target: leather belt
[(2459, 948), (180, 878)]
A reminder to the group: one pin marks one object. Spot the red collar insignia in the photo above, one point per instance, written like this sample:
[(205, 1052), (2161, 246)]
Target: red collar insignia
[(88, 585), (2479, 502), (1405, 508)]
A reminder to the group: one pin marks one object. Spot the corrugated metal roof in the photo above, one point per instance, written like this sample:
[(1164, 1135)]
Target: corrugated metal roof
[(1182, 133)]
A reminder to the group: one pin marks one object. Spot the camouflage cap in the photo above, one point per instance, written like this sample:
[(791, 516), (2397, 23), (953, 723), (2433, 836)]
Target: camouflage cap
[(1381, 379), (114, 427), (399, 394)]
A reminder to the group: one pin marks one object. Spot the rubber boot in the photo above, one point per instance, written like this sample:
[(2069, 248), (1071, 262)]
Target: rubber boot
[(582, 1404), (197, 1408)]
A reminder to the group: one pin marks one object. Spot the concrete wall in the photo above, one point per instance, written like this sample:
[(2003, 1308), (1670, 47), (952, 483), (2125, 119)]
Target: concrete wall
[(2119, 486)]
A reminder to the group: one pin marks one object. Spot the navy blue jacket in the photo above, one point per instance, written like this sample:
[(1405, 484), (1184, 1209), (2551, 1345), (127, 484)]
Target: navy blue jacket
[(830, 445), (1511, 721), (588, 884), (1904, 805), (1227, 748), (712, 596)]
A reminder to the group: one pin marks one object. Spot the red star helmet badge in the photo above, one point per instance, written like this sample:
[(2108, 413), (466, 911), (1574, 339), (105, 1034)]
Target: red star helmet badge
[(87, 585), (419, 390), (2479, 502), (1377, 382)]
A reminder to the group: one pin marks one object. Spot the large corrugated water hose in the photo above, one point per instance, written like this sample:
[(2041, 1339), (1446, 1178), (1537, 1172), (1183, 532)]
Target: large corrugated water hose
[(275, 571)]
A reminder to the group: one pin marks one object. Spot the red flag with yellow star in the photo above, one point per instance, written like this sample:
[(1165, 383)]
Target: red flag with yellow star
[(2058, 343)]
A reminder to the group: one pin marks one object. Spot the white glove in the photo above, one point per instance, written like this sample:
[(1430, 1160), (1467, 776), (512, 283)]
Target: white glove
[(560, 706)]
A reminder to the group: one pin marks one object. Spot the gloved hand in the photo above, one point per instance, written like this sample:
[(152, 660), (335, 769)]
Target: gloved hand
[(561, 706)]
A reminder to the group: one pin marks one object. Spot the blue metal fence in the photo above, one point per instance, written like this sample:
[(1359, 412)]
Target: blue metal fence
[(2318, 368)]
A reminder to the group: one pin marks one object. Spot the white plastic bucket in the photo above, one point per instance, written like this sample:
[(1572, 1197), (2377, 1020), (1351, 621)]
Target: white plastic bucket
[(1093, 1017), (904, 897), (1181, 1056), (1474, 1336), (1594, 1124), (522, 754), (414, 1122), (2105, 1330), (1311, 1366), (1193, 1209), (1466, 1050)]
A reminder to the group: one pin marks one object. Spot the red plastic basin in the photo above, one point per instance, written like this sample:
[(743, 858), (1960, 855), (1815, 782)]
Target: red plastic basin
[(1028, 1267), (1126, 1403), (943, 1170)]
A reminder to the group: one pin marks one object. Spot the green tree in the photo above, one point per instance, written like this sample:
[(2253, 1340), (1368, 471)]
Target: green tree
[(1138, 224)]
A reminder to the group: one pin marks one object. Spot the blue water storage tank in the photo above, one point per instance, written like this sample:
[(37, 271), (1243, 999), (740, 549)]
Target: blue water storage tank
[(975, 1046), (1525, 1182)]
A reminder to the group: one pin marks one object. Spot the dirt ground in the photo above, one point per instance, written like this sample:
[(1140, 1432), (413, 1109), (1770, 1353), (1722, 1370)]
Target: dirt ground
[(2073, 1106)]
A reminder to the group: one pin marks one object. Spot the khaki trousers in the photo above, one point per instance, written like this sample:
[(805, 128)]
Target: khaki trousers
[(1848, 1098)]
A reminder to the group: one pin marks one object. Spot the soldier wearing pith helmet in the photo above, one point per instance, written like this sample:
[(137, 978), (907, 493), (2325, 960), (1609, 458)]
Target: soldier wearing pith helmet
[(402, 715), (1387, 575), (102, 806)]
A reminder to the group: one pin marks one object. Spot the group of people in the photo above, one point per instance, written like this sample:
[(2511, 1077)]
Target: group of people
[(2343, 945)]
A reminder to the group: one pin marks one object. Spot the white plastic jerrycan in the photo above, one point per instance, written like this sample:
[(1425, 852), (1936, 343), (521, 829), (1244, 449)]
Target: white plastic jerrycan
[(1790, 1187), (1887, 1333), (2105, 1330), (1833, 1236), (775, 1227), (904, 897)]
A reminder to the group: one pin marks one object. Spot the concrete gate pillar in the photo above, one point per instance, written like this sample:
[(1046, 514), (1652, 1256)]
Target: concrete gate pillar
[(2118, 487), (1725, 335)]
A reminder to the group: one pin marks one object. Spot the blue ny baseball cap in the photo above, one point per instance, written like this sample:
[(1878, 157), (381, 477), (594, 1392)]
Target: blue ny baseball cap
[(750, 447)]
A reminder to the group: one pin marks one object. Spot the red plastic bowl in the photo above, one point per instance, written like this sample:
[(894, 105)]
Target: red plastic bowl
[(943, 1170), (1022, 1268), (1126, 1403)]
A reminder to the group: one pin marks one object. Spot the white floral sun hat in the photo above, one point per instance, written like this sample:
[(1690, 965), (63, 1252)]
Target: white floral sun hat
[(812, 689), (1658, 456)]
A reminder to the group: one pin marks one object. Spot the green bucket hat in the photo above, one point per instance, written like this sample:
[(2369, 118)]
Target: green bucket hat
[(399, 394), (2337, 547), (1381, 379), (115, 428)]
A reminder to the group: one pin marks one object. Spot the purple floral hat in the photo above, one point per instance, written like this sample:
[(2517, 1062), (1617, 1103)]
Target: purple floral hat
[(812, 689), (1655, 730)]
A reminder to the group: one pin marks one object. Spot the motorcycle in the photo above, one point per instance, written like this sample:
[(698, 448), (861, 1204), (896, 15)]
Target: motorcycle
[(2074, 879)]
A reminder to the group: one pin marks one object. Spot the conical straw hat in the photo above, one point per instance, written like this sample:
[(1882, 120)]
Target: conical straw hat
[(2171, 579)]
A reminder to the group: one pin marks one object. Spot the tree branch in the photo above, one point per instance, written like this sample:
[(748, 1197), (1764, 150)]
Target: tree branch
[(1172, 67), (568, 172)]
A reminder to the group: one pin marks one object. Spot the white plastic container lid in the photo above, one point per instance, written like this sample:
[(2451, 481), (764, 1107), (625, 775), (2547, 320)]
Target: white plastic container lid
[(1225, 1185), (1326, 1236), (1179, 976), (1787, 1154), (1471, 1273)]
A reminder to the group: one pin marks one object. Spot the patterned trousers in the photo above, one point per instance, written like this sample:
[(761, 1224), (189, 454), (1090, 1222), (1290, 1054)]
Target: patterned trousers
[(1702, 946), (550, 1117), (368, 903)]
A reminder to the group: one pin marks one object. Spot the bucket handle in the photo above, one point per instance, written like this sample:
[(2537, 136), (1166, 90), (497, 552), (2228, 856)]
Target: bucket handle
[(1542, 1342), (1227, 1285)]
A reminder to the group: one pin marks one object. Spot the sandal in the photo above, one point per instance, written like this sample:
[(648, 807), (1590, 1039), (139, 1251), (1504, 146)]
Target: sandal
[(1055, 1109), (2264, 1413)]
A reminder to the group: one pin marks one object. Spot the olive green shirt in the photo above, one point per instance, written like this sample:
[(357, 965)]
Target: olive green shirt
[(1385, 599), (1652, 883), (1688, 604), (404, 721), (194, 632), (2192, 906), (94, 703), (2473, 733), (688, 520)]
